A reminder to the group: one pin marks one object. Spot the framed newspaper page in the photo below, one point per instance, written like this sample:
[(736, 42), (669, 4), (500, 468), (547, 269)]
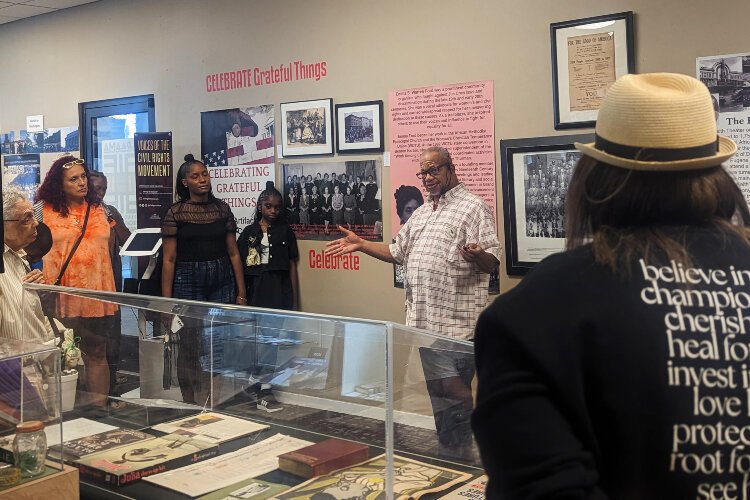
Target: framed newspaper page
[(588, 55)]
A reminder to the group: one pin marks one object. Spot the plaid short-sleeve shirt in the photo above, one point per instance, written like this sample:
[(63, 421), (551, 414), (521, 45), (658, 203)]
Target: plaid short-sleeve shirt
[(444, 293)]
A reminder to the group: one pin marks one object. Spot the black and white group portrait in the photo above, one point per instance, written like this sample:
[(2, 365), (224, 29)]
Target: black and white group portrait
[(546, 179), (318, 197), (306, 126)]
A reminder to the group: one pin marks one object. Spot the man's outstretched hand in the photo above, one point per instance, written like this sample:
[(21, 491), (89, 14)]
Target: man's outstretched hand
[(348, 244)]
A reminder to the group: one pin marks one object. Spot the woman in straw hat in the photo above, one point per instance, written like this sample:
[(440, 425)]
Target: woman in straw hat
[(633, 383)]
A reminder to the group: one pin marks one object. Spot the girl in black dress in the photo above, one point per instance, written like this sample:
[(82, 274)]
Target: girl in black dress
[(268, 249)]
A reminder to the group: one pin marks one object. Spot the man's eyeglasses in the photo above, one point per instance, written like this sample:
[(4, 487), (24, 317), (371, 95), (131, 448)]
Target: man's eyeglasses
[(25, 221), (73, 163), (432, 171)]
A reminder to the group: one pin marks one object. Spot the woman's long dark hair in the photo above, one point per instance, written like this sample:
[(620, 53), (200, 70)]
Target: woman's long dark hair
[(183, 193), (51, 191), (624, 213)]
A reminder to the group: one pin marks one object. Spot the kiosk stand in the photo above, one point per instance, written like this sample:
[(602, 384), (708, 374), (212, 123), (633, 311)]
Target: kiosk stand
[(147, 243)]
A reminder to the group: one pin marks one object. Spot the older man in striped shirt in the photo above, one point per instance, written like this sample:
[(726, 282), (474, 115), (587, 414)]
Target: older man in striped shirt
[(21, 316), (448, 247)]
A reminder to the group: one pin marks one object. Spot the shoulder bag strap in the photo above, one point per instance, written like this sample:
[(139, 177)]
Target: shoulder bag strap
[(75, 246)]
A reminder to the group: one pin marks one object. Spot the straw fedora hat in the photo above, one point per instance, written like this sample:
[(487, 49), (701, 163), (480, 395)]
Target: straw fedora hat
[(660, 122)]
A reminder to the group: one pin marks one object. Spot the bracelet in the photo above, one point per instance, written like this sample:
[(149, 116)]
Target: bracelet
[(241, 298)]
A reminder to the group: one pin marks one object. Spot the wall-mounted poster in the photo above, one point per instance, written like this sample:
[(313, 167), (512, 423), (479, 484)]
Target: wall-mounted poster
[(52, 140), (728, 79), (237, 146), (154, 178), (320, 196), (22, 172), (459, 117), (34, 141), (63, 139), (7, 143)]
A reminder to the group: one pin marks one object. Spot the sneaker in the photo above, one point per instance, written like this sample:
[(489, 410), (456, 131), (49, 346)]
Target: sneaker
[(267, 402)]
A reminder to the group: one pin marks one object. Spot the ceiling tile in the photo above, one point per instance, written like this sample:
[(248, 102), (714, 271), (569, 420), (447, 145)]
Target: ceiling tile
[(24, 11), (56, 4)]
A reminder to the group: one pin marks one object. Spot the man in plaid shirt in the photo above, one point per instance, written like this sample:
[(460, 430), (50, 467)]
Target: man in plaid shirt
[(448, 246)]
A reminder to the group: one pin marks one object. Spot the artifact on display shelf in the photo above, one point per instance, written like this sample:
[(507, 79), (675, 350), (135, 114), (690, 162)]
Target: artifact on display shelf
[(211, 427), (254, 489), (229, 468), (323, 457), (136, 461), (108, 440), (475, 489), (301, 373), (412, 479), (72, 429), (588, 55)]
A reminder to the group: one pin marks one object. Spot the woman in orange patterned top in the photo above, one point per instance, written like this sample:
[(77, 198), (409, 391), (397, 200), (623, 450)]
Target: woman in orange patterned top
[(67, 197)]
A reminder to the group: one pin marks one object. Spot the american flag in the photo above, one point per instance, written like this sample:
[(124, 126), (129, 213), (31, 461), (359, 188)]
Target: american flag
[(216, 159)]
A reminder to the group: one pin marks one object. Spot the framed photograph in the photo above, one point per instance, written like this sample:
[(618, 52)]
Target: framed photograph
[(359, 127), (535, 177), (307, 128), (588, 55), (320, 196)]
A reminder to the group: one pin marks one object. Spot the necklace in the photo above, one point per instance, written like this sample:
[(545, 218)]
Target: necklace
[(76, 216)]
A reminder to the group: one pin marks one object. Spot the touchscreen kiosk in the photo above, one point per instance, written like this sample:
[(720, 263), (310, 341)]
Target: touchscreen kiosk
[(142, 243)]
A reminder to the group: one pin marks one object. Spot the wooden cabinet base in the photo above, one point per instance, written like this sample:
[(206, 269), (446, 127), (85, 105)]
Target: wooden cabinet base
[(61, 485)]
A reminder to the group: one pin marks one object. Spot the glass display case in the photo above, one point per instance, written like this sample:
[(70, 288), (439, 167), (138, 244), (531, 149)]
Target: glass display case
[(258, 383), (30, 416)]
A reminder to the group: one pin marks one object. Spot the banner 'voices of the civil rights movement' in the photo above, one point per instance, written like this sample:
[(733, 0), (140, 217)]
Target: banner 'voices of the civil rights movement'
[(237, 146), (153, 176)]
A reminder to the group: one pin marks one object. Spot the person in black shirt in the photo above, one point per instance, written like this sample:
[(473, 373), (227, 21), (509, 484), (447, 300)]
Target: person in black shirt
[(269, 253), (201, 259), (618, 368)]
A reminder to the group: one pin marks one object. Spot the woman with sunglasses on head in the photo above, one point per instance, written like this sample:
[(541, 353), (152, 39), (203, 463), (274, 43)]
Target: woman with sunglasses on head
[(201, 260), (618, 368), (68, 204)]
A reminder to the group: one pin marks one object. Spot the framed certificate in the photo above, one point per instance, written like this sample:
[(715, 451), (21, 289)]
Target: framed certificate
[(588, 55)]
